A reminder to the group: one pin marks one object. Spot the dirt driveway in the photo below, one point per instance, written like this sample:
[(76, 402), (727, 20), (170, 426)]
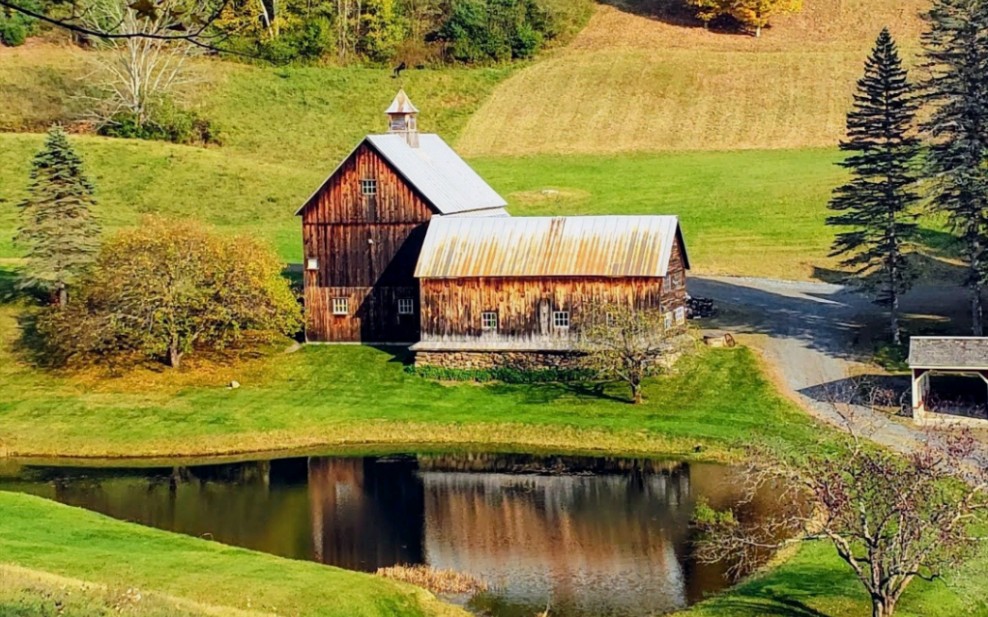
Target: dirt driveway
[(808, 333)]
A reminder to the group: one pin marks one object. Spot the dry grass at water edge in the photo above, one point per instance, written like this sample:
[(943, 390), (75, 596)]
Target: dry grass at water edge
[(437, 581)]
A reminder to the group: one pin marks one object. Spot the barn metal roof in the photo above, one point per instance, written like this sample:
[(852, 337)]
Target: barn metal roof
[(458, 247), (435, 170), (948, 352)]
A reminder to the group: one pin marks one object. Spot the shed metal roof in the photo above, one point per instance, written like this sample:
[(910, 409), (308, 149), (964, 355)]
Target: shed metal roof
[(435, 170), (949, 352), (462, 247)]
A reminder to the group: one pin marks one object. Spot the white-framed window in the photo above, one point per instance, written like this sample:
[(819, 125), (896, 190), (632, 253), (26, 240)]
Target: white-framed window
[(312, 263), (560, 319), (406, 306), (667, 320), (368, 186), (341, 306), (680, 316), (488, 321)]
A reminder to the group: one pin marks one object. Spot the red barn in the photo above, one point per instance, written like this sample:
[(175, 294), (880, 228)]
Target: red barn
[(362, 230), (405, 243)]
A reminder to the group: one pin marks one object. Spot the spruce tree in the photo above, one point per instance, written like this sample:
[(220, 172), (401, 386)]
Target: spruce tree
[(57, 230), (875, 206), (956, 49)]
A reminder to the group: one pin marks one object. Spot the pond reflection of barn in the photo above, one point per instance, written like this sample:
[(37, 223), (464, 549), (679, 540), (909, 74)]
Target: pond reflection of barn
[(599, 536)]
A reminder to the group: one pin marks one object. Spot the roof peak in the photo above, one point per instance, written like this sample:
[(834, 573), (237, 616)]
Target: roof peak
[(401, 104)]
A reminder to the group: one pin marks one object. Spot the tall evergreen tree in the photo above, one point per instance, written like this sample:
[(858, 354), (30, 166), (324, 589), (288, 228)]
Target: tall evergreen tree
[(956, 48), (57, 228), (875, 206)]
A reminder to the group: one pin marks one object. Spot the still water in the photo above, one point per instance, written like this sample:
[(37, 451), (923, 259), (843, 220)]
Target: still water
[(594, 537)]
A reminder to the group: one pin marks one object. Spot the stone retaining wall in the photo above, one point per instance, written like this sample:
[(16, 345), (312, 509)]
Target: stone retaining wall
[(481, 360)]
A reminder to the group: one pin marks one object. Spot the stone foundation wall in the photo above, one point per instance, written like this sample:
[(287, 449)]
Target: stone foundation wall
[(481, 360)]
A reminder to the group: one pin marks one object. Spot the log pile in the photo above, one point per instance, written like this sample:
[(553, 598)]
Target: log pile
[(699, 308)]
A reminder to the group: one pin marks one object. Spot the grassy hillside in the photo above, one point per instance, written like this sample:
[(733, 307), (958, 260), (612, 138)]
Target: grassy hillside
[(639, 79), (177, 572)]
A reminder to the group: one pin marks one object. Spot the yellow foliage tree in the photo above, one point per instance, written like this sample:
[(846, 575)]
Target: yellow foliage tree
[(754, 14), (757, 13)]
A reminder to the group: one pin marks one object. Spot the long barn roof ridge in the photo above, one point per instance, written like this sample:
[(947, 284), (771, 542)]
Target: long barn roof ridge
[(435, 170), (609, 246)]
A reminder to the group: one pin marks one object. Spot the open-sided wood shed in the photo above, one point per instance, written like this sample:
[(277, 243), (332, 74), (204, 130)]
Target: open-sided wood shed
[(932, 356)]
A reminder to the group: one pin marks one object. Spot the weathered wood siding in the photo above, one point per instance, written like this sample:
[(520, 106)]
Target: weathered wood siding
[(366, 248), (451, 308)]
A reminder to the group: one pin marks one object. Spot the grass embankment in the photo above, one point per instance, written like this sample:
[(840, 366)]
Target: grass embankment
[(644, 78), (336, 395), (173, 574)]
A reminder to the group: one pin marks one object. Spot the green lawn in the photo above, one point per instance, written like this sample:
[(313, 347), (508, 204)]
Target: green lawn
[(206, 577), (328, 395), (752, 213)]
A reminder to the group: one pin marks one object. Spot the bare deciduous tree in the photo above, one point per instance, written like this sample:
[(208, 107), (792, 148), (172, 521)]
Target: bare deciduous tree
[(629, 344), (891, 519), (135, 73)]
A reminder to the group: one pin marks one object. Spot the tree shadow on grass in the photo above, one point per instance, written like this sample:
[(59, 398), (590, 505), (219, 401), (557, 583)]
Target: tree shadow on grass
[(785, 592)]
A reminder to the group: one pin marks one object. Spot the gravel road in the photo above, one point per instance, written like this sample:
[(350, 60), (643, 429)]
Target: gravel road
[(810, 330)]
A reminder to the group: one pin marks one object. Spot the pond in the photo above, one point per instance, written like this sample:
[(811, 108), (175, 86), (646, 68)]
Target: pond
[(594, 537)]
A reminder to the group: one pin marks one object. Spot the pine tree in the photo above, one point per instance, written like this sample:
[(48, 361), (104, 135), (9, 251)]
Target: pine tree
[(875, 206), (956, 49), (57, 230)]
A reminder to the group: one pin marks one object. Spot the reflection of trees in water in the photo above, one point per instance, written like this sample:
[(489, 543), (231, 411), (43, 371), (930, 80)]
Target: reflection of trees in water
[(602, 536)]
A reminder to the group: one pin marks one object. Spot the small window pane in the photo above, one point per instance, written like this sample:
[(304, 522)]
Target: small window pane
[(560, 319), (341, 306), (680, 315), (368, 186), (312, 263), (406, 306), (667, 318), (488, 320)]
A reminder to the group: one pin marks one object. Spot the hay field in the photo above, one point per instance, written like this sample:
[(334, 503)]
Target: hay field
[(642, 79)]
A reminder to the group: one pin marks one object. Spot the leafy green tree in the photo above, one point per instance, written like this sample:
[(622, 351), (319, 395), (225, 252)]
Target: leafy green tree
[(58, 231), (956, 49), (875, 207), (166, 289)]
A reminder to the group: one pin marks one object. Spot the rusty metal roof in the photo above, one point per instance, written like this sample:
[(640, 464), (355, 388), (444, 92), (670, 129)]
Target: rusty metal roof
[(463, 247), (948, 352)]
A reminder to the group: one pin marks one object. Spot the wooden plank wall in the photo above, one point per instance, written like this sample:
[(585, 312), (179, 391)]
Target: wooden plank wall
[(366, 250), (451, 308)]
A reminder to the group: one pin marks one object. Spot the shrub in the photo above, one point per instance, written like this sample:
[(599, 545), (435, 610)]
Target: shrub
[(169, 123), (16, 27)]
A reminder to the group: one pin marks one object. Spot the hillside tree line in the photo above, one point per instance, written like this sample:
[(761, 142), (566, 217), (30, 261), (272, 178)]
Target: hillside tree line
[(412, 32)]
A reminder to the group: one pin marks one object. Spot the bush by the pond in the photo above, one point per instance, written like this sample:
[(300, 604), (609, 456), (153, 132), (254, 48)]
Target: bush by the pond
[(504, 374), (16, 27)]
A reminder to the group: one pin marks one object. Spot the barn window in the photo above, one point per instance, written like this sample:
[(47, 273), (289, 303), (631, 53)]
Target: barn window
[(667, 320), (341, 306), (560, 319), (368, 187), (312, 263), (677, 280), (488, 321), (680, 316), (406, 306)]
